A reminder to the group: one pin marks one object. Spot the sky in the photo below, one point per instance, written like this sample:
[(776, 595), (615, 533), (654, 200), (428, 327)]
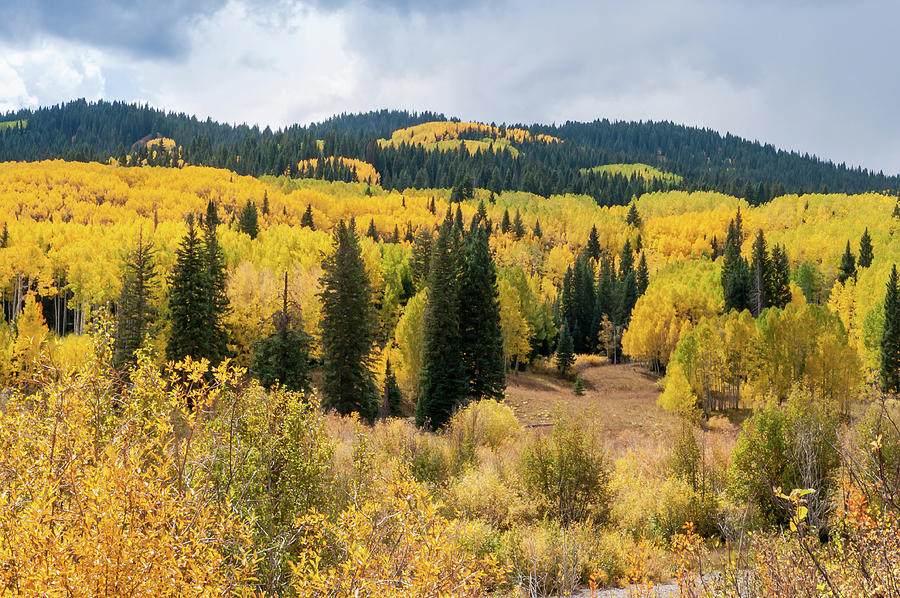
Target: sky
[(816, 76)]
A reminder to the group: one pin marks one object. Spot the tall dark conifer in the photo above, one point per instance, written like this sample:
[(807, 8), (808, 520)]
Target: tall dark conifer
[(307, 219), (735, 277), (760, 276), (848, 265), (479, 316), (217, 304), (134, 311), (348, 327), (443, 383), (866, 251), (642, 275), (248, 222), (283, 356), (188, 298), (565, 351), (890, 337), (780, 278), (593, 244)]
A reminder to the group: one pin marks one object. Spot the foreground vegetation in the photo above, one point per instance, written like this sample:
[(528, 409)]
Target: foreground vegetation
[(289, 386)]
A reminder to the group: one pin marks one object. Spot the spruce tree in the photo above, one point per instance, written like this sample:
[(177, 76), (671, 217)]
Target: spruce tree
[(538, 233), (593, 244), (761, 278), (134, 311), (642, 275), (565, 350), (348, 327), (391, 397), (479, 320), (735, 277), (248, 221), (626, 260), (633, 218), (518, 227), (443, 384), (890, 337), (866, 252), (217, 305), (283, 357), (848, 265), (307, 219), (781, 278), (505, 224), (372, 232), (188, 298)]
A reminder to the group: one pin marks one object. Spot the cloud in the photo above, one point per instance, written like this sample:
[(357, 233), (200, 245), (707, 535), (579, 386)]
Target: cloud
[(812, 76)]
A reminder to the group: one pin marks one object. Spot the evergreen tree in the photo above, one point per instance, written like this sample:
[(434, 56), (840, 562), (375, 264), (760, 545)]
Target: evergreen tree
[(443, 380), (265, 205), (505, 224), (188, 298), (372, 232), (396, 236), (391, 397), (283, 356), (866, 252), (848, 265), (134, 311), (479, 320), (538, 233), (578, 387), (307, 219), (518, 227), (248, 221), (348, 327), (633, 218), (565, 351), (627, 297), (781, 278), (890, 337), (735, 277), (593, 244), (626, 260), (642, 275), (217, 304), (761, 277)]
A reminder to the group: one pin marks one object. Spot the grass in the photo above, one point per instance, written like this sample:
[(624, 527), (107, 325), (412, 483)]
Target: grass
[(643, 171), (621, 398), (10, 124)]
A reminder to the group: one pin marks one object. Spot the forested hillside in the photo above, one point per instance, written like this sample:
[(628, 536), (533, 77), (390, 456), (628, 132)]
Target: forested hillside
[(301, 362), (701, 159)]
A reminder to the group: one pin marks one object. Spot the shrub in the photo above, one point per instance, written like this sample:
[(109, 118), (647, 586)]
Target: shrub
[(396, 545), (566, 472), (483, 494)]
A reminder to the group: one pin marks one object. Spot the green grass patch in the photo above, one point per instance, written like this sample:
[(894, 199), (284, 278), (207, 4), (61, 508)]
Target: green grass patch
[(11, 124), (644, 171)]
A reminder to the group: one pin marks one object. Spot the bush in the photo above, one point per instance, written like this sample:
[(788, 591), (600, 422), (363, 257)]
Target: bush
[(483, 494), (566, 472), (484, 423)]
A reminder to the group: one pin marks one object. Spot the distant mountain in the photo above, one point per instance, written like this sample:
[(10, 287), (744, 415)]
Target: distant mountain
[(487, 156)]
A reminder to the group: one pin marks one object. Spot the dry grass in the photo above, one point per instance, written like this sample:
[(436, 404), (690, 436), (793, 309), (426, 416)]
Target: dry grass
[(621, 398)]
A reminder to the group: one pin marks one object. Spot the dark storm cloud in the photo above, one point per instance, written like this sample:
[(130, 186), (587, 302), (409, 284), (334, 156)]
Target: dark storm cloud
[(143, 28)]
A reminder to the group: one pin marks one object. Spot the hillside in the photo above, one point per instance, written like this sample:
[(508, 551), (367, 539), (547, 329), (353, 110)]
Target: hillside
[(691, 158)]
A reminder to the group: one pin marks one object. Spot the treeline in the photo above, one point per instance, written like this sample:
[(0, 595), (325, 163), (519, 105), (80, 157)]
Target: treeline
[(705, 159)]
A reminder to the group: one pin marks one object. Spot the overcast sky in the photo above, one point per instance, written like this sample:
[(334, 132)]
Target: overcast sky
[(818, 76)]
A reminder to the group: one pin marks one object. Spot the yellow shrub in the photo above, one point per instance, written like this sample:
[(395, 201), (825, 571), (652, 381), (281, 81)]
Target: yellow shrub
[(394, 545)]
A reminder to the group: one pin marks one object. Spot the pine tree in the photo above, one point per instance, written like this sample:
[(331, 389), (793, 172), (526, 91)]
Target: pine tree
[(217, 305), (283, 357), (248, 221), (391, 397), (505, 224), (479, 320), (396, 237), (578, 387), (518, 227), (134, 311), (866, 252), (265, 205), (565, 351), (642, 276), (538, 233), (848, 265), (735, 277), (761, 277), (593, 244), (188, 298), (781, 278), (626, 260), (307, 219), (633, 218), (443, 380), (372, 232), (348, 327), (890, 337)]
